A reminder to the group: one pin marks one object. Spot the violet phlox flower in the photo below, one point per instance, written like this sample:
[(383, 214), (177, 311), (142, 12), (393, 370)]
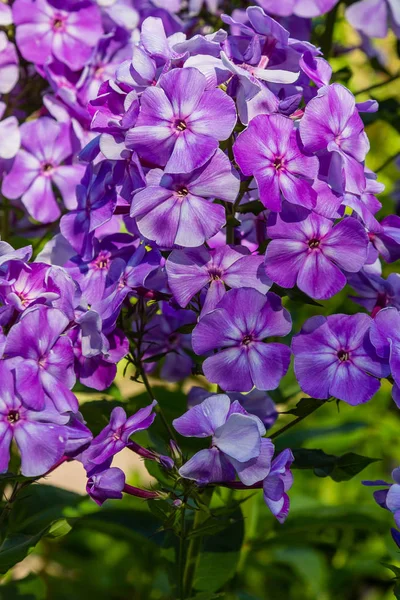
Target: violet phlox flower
[(313, 253), (42, 356), (45, 146), (277, 483), (371, 17), (256, 402), (39, 434), (331, 125), (385, 336), (96, 199), (238, 327), (236, 447), (189, 271), (388, 498), (115, 436), (179, 209), (334, 356), (301, 8), (181, 121), (9, 68), (43, 31), (270, 150)]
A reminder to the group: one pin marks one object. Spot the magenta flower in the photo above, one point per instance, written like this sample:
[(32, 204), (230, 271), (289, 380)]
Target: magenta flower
[(314, 254), (43, 359), (331, 124), (46, 144), (10, 134), (189, 271), (334, 356), (269, 149), (39, 434), (236, 446), (238, 327), (181, 121), (43, 31), (179, 209)]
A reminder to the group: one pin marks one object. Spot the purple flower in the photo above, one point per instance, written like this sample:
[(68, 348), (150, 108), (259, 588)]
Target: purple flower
[(7, 253), (386, 238), (385, 336), (269, 149), (9, 69), (44, 31), (331, 124), (162, 337), (313, 254), (371, 17), (10, 134), (189, 271), (43, 359), (238, 327), (98, 371), (39, 435), (181, 122), (333, 356), (277, 483), (108, 484), (255, 403), (301, 8), (37, 166), (26, 285), (115, 437), (390, 497), (236, 445), (179, 209), (97, 199)]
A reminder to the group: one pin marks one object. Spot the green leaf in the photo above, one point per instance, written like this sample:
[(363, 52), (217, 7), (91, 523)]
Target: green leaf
[(30, 588), (305, 407), (396, 591), (396, 570), (219, 556), (339, 468), (350, 464), (124, 523), (186, 328), (294, 294), (38, 510)]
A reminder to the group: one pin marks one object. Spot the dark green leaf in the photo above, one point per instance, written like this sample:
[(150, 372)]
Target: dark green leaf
[(97, 413), (396, 591), (339, 468), (305, 407), (219, 556), (396, 570), (206, 596), (294, 294), (186, 328)]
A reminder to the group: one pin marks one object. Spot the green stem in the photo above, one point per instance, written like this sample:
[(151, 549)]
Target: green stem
[(181, 557), (387, 162), (193, 553), (377, 85), (158, 408), (5, 224), (295, 421), (327, 39)]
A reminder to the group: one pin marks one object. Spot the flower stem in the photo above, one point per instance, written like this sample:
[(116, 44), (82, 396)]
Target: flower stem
[(327, 39), (377, 85), (193, 553), (181, 555), (158, 408), (296, 421)]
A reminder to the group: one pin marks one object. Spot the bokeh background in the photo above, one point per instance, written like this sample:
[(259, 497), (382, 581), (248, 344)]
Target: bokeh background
[(336, 540)]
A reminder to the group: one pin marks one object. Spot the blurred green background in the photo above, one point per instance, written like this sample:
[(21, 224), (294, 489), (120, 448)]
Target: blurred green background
[(336, 539)]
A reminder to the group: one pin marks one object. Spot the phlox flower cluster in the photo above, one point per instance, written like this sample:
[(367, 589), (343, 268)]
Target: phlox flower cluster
[(192, 180)]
